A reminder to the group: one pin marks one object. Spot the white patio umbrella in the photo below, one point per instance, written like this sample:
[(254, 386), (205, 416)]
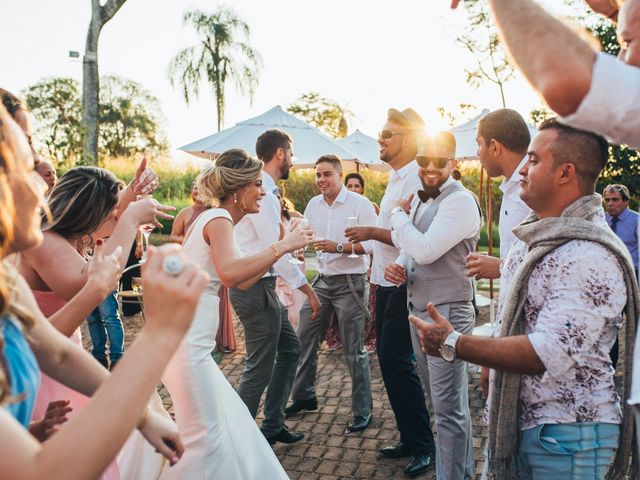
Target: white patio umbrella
[(366, 150), (309, 143), (466, 146)]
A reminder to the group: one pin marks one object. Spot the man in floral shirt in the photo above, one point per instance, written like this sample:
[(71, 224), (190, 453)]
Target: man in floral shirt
[(558, 320)]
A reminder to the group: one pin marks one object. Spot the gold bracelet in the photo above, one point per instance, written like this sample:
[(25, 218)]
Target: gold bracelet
[(145, 416), (276, 253)]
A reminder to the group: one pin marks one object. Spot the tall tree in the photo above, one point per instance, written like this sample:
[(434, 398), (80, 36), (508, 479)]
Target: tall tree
[(322, 112), (100, 15), (130, 118), (481, 40), (57, 111), (222, 54)]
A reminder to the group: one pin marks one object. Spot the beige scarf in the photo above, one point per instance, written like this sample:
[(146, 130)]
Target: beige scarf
[(542, 237)]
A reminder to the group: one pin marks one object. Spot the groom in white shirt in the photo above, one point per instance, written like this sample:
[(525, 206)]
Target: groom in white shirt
[(435, 238), (271, 343)]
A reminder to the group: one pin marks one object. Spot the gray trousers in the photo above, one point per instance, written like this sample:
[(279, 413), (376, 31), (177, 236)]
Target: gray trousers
[(335, 295), (449, 390), (272, 349)]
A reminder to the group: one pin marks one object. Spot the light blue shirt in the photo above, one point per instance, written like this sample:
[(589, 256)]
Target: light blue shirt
[(627, 231)]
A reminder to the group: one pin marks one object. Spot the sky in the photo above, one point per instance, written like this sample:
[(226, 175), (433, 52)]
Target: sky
[(366, 55)]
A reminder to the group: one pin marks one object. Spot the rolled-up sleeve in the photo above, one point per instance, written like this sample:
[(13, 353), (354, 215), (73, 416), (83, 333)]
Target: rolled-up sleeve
[(612, 105)]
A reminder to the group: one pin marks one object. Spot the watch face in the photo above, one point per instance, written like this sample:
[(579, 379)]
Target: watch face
[(448, 353), (339, 248)]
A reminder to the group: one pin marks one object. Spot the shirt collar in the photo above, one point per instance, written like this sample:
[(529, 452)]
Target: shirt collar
[(410, 167), (448, 182), (515, 176), (341, 198), (268, 183)]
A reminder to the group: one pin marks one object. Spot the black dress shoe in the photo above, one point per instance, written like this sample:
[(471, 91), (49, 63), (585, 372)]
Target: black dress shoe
[(398, 450), (300, 405), (419, 463), (285, 436), (358, 423)]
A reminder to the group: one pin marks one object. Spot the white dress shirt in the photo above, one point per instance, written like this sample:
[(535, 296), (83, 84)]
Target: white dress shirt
[(402, 183), (612, 105), (330, 221), (512, 209), (458, 218), (257, 231)]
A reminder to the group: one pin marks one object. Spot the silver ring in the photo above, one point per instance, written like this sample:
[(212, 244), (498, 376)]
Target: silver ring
[(173, 265)]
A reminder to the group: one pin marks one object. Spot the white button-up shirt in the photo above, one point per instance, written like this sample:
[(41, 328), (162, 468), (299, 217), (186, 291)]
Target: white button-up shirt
[(402, 183), (512, 209), (330, 221), (572, 310), (458, 218), (257, 231)]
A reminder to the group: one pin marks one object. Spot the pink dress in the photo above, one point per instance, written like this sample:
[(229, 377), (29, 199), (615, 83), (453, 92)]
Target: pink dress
[(51, 390)]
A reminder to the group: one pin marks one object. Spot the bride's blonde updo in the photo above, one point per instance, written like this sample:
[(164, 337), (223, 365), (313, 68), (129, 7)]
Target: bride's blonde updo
[(233, 169)]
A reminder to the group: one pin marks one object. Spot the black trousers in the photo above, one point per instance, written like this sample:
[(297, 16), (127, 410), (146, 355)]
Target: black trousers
[(395, 355)]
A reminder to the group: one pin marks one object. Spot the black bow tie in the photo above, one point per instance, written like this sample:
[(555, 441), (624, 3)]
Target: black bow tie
[(427, 193)]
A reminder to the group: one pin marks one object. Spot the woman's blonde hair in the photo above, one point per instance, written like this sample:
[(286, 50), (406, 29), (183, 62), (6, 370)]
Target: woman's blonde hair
[(232, 170), (8, 303)]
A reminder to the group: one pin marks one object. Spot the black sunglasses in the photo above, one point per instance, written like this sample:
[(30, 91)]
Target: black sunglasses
[(387, 134), (438, 162)]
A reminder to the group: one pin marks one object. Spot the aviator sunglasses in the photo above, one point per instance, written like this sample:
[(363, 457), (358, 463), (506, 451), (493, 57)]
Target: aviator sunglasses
[(438, 162), (387, 134)]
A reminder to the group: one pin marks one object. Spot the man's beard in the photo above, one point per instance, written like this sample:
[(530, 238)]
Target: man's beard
[(284, 172)]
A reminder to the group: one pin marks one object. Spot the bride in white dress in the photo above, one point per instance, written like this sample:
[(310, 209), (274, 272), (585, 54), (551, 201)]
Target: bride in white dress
[(221, 439)]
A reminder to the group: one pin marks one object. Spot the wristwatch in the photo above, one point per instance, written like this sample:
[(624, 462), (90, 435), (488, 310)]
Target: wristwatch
[(395, 210), (340, 248), (448, 347)]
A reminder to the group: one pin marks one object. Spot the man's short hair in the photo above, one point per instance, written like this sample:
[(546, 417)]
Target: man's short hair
[(269, 142), (506, 127), (621, 189), (587, 151), (12, 103), (333, 160)]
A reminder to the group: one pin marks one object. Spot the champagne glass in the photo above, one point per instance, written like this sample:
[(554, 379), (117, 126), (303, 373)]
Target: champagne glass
[(145, 229), (136, 284), (352, 222), (303, 223)]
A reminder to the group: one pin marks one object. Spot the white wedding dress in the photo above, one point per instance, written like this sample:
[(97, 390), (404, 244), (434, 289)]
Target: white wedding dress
[(221, 439)]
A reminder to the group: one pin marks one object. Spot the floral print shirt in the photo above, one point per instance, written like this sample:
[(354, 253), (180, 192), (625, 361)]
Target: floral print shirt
[(575, 297)]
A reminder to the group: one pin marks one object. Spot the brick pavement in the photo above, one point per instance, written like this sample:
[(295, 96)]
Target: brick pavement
[(326, 452)]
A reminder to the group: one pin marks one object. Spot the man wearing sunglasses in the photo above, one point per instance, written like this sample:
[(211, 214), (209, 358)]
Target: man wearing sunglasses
[(398, 142), (435, 236)]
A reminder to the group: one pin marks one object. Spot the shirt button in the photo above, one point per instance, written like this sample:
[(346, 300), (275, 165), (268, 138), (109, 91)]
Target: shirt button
[(413, 270), (410, 295)]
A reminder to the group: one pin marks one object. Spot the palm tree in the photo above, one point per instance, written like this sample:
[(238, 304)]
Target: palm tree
[(221, 55)]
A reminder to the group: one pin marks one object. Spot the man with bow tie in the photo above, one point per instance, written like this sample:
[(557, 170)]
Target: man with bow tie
[(435, 236)]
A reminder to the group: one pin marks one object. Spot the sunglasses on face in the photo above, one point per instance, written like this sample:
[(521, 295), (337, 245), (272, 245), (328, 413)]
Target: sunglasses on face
[(438, 162), (387, 134)]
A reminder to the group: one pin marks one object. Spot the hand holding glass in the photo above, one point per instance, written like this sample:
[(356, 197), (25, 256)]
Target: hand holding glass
[(145, 229), (303, 223)]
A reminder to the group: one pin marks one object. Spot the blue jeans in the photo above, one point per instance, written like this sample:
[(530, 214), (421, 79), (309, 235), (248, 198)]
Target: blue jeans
[(104, 322), (569, 451)]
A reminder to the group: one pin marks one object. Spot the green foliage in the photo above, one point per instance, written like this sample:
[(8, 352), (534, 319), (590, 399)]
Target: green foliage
[(221, 55), (130, 119), (324, 113), (57, 111)]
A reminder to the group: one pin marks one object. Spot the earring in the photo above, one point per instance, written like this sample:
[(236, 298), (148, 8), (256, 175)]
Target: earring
[(235, 197)]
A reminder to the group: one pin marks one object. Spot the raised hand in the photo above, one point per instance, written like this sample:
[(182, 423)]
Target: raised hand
[(55, 416), (103, 271), (405, 203), (298, 238), (358, 234), (432, 335), (482, 266), (606, 8), (147, 210), (145, 180)]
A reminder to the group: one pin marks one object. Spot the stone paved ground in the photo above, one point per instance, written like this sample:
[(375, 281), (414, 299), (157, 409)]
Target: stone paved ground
[(326, 453)]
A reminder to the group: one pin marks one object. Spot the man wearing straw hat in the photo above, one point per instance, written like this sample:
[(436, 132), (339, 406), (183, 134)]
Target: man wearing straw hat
[(435, 237)]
